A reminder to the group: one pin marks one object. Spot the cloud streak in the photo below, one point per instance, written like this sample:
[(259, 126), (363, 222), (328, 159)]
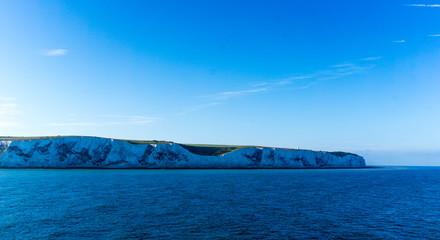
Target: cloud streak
[(399, 41), (344, 65), (9, 110), (298, 82), (8, 124), (434, 35), (343, 70), (282, 82), (371, 58), (423, 5), (229, 94), (6, 99), (55, 52)]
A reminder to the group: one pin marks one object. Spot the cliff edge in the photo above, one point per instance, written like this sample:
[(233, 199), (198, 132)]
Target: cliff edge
[(94, 152)]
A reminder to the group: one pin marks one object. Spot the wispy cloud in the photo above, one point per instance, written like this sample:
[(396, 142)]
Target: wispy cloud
[(423, 5), (229, 94), (255, 88), (6, 99), (298, 82), (342, 70), (282, 82), (55, 52), (344, 65), (8, 124), (9, 110), (434, 35), (371, 58), (107, 120), (399, 41)]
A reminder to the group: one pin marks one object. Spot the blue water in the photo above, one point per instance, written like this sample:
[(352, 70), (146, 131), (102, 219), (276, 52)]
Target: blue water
[(388, 203)]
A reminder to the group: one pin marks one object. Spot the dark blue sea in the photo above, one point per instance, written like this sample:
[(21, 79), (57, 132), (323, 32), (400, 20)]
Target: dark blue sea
[(382, 203)]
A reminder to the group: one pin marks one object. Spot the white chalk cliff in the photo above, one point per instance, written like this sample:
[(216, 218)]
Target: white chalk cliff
[(93, 152)]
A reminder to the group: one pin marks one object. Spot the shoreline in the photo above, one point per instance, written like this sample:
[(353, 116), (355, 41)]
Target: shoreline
[(97, 168)]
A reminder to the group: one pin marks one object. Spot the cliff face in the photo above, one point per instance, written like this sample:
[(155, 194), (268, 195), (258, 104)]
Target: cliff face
[(91, 152)]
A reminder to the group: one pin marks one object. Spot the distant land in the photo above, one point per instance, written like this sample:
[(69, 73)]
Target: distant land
[(97, 152)]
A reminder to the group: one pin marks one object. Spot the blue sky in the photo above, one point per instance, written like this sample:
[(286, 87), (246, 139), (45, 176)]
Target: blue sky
[(327, 75)]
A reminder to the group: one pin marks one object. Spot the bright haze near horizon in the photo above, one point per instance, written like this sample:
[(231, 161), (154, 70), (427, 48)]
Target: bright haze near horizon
[(358, 76)]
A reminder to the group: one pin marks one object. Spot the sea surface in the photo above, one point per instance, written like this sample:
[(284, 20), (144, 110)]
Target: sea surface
[(382, 203)]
